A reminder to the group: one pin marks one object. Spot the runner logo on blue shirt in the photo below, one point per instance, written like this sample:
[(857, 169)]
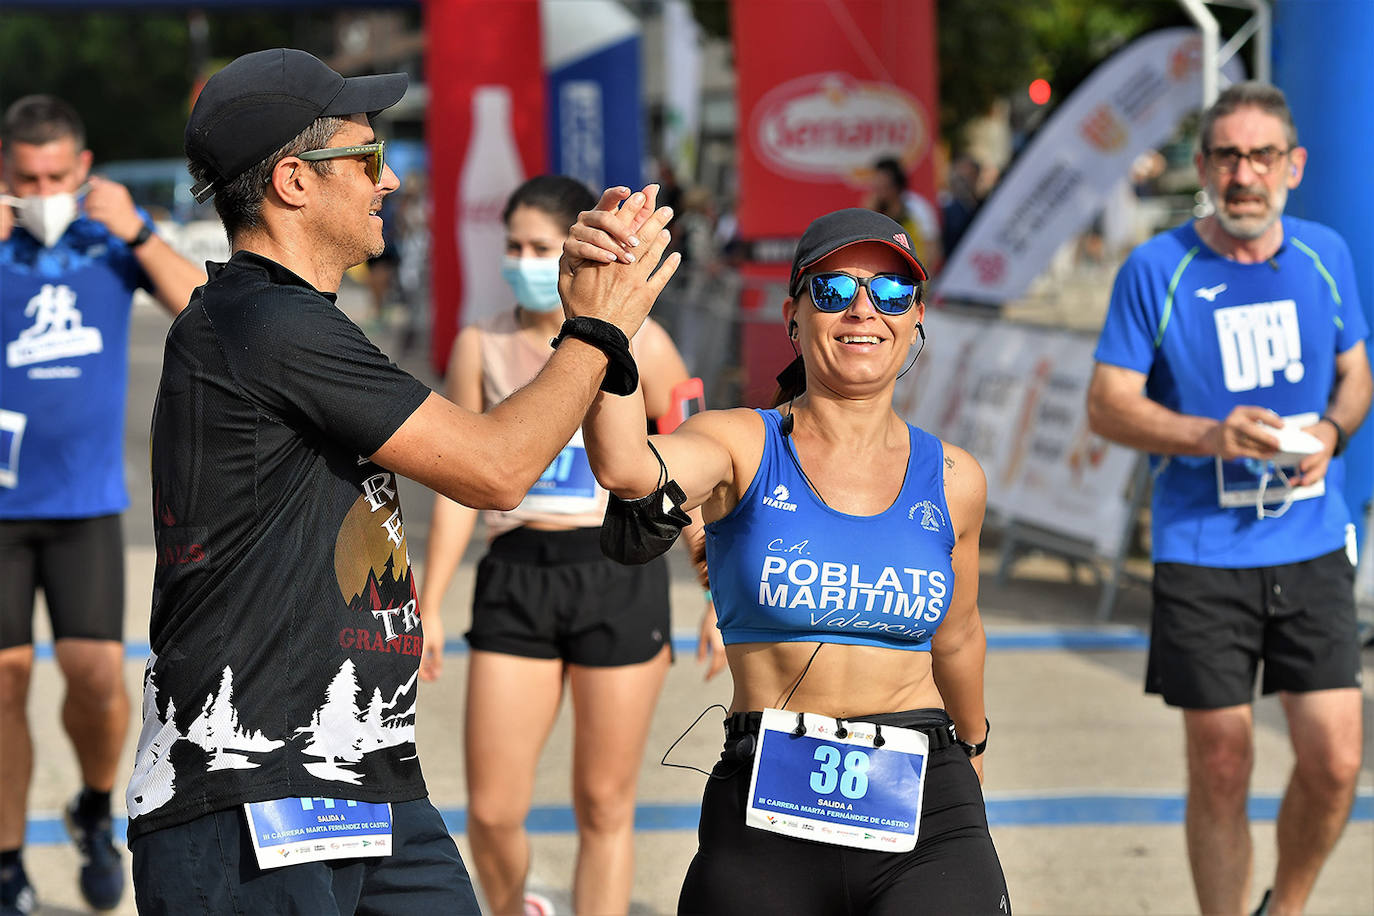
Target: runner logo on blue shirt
[(56, 332)]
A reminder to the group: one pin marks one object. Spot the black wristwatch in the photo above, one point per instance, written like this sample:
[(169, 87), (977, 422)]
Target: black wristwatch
[(973, 750), (1342, 437), (145, 232)]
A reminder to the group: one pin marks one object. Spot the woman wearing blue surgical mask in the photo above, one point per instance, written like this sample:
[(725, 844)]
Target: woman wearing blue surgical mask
[(549, 609)]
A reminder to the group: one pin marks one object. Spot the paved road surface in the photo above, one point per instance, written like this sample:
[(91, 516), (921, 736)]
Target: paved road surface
[(1083, 776)]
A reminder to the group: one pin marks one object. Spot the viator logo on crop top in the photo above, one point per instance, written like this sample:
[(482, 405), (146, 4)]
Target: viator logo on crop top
[(779, 499)]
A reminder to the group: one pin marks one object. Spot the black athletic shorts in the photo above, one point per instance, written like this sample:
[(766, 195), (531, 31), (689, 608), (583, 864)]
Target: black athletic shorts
[(79, 564), (1212, 627), (208, 866), (743, 871), (553, 594)]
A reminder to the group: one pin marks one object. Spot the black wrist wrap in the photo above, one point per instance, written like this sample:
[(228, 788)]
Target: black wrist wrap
[(622, 375), (1342, 437)]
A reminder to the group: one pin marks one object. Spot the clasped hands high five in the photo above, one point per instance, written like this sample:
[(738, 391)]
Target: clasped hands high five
[(613, 265)]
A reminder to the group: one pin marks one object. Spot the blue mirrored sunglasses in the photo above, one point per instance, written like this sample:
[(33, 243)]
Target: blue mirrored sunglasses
[(891, 294)]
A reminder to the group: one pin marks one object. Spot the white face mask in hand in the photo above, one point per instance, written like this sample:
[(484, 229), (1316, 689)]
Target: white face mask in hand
[(45, 218), (1273, 472)]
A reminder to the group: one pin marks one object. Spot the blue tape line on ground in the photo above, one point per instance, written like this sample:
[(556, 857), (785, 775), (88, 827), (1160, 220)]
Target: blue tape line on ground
[(1003, 811), (1072, 639)]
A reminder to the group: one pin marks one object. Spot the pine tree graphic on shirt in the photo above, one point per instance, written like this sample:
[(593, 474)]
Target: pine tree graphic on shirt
[(354, 716), (153, 781), (218, 732), (341, 732)]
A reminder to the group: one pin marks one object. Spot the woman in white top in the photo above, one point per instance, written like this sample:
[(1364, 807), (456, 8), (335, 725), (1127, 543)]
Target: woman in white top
[(549, 609)]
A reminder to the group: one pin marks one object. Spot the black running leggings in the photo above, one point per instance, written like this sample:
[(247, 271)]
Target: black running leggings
[(79, 564), (750, 872)]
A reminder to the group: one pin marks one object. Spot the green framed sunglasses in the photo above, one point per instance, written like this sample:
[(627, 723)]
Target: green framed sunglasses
[(375, 154)]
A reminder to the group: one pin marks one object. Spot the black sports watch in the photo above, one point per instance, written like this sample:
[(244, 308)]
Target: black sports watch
[(145, 232), (973, 750), (1342, 437)]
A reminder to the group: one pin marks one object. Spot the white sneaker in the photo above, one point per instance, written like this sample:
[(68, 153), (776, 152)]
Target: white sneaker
[(538, 905)]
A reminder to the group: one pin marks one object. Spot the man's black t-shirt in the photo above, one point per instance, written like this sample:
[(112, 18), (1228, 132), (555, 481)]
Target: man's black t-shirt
[(284, 632)]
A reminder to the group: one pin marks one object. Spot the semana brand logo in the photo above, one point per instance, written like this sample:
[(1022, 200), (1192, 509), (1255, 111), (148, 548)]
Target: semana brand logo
[(779, 499), (825, 126)]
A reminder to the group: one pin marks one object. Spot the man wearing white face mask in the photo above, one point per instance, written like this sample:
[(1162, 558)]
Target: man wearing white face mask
[(1234, 352), (73, 248)]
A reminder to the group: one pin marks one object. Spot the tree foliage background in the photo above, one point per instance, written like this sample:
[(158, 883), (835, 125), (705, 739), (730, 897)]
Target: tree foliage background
[(130, 72), (991, 49)]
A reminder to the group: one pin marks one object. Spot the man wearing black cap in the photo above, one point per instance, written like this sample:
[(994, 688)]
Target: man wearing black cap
[(277, 766)]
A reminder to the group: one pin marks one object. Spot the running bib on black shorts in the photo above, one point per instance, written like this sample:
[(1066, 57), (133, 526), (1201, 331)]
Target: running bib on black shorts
[(289, 831), (844, 791)]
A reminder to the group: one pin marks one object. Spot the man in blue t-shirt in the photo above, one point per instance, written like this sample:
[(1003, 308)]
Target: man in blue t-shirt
[(73, 248), (1234, 352)]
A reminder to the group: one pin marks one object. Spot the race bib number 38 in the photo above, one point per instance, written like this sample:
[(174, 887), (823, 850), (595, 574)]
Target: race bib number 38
[(843, 791)]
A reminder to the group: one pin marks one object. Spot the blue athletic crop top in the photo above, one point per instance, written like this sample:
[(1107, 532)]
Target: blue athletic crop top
[(785, 567)]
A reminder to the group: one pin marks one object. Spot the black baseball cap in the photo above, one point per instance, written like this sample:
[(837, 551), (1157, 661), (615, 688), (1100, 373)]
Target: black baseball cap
[(255, 105), (842, 228)]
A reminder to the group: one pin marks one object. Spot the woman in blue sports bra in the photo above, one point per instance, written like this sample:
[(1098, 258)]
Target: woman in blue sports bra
[(842, 546)]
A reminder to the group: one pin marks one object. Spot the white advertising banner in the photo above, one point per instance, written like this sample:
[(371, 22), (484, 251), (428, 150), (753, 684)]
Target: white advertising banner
[(1015, 398), (1131, 103), (1364, 571)]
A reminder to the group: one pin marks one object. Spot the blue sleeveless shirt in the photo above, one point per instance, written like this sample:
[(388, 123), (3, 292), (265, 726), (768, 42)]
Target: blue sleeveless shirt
[(785, 567)]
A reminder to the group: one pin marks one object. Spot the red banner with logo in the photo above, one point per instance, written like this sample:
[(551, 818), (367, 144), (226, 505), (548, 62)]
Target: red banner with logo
[(825, 88), (484, 68)]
